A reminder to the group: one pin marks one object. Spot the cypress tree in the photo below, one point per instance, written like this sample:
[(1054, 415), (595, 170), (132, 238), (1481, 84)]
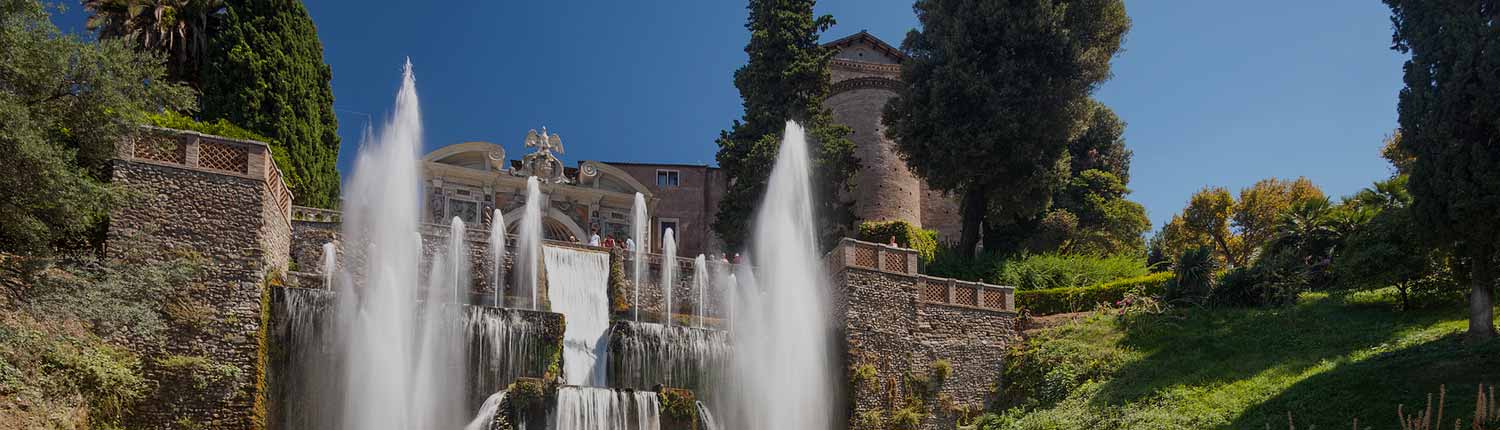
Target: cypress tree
[(786, 78), (266, 74)]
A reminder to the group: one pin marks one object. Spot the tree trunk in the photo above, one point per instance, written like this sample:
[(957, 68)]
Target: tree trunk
[(1228, 253), (1481, 295), (974, 206)]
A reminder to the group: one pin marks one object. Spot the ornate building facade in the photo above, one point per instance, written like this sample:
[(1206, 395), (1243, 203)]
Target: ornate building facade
[(469, 180)]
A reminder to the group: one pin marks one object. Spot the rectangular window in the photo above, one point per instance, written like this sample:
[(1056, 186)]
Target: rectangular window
[(661, 232), (667, 178)]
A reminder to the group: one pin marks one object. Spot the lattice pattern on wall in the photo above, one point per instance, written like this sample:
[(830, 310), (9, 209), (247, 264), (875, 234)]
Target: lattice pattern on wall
[(934, 292), (866, 257), (895, 262), (992, 298), (223, 156), (965, 295), (161, 147), (278, 190)]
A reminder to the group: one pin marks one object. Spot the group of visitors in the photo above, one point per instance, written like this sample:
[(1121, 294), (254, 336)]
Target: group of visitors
[(610, 241)]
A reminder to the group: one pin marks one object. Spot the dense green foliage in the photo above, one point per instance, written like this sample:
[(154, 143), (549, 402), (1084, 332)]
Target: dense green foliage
[(1075, 299), (786, 79), (1447, 114), (72, 334), (996, 93), (64, 104), (266, 73), (1037, 272), (1088, 214), (906, 236), (178, 30), (174, 120), (1326, 361)]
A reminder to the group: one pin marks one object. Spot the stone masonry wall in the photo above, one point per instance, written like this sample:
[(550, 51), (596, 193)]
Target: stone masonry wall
[(232, 222), (887, 327)]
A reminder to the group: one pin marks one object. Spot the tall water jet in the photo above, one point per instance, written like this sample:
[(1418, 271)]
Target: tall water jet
[(783, 350), (330, 259), (529, 243), (668, 274), (639, 232), (700, 283), (388, 383), (497, 256), (577, 283), (458, 261)]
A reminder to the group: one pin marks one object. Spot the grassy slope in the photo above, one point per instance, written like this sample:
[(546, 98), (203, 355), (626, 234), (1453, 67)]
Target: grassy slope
[(1326, 360)]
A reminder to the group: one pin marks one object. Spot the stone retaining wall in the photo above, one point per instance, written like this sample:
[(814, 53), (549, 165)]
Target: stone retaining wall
[(889, 328), (223, 200)]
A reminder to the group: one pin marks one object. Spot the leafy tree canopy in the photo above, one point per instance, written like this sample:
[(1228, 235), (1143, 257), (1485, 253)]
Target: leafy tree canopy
[(996, 94), (64, 104)]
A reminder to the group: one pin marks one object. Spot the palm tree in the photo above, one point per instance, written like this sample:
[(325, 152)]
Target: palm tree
[(179, 29)]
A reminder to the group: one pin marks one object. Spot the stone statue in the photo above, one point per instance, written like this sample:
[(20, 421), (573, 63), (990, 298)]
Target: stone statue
[(543, 142)]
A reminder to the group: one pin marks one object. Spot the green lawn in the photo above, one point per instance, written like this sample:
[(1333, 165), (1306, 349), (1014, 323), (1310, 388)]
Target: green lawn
[(1326, 361)]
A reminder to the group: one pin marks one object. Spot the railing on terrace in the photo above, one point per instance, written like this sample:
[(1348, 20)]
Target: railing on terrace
[(304, 213), (209, 153), (930, 289)]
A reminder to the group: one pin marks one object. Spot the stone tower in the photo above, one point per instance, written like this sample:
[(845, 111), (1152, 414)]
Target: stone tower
[(866, 73)]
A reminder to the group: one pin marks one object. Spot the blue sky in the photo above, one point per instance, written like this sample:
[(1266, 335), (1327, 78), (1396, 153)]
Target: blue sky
[(1214, 93)]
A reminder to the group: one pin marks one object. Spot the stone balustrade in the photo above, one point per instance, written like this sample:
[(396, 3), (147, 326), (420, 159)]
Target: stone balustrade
[(307, 214), (852, 253), (208, 153)]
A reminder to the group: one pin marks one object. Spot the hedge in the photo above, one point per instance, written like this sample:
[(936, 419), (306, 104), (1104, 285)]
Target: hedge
[(907, 236), (1063, 300)]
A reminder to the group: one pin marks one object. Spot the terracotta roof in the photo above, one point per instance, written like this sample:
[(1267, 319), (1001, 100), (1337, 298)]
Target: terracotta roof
[(864, 35)]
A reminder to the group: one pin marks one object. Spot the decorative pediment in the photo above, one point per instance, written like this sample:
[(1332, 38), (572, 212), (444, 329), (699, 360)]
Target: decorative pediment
[(541, 163)]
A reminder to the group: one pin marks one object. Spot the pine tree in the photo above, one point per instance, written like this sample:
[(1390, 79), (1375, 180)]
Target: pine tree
[(266, 74), (786, 78)]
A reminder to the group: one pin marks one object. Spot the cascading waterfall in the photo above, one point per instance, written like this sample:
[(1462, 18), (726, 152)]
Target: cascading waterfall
[(646, 354), (700, 283), (330, 256), (397, 371), (458, 261), (639, 231), (731, 287), (587, 408), (668, 274), (578, 283), (503, 347), (497, 256), (706, 418), (486, 412), (783, 353), (311, 367), (529, 243)]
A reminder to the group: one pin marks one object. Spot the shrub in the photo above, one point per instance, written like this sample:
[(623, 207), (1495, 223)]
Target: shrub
[(953, 263), (871, 420), (1063, 300), (907, 236), (1194, 276), (1044, 271), (222, 128), (862, 374), (941, 370), (678, 405), (202, 371)]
